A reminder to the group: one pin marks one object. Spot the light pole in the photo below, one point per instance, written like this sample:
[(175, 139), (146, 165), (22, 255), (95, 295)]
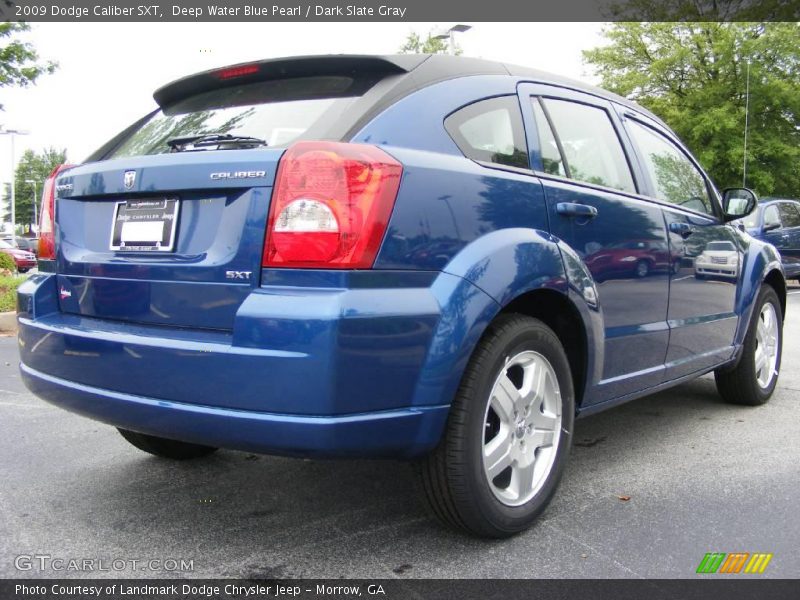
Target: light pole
[(35, 217), (12, 133), (450, 36), (746, 123)]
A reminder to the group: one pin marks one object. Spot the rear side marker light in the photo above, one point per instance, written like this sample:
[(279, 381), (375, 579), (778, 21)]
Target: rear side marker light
[(330, 206)]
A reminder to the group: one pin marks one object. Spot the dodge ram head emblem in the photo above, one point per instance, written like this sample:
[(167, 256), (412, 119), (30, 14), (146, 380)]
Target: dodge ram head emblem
[(129, 179)]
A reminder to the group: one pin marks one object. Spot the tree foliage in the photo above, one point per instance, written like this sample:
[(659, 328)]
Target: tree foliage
[(694, 76), (19, 62), (704, 10), (414, 44), (33, 167)]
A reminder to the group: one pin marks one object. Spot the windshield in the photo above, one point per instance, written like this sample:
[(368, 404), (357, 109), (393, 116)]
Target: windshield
[(6, 245), (751, 220), (277, 111)]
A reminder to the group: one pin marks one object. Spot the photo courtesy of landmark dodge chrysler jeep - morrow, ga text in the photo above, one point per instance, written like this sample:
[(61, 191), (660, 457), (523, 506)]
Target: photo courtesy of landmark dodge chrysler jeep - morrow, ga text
[(423, 257)]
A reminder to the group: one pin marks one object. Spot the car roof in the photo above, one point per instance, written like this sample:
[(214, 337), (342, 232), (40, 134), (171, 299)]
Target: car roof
[(416, 71)]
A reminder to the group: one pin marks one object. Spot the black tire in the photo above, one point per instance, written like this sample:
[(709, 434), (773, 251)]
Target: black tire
[(452, 476), (642, 269), (164, 447), (739, 385)]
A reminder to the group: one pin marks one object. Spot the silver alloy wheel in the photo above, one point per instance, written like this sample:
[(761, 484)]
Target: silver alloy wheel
[(766, 354), (522, 428)]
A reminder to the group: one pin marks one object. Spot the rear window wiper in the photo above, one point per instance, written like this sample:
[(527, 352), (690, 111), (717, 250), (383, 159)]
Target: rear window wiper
[(178, 144)]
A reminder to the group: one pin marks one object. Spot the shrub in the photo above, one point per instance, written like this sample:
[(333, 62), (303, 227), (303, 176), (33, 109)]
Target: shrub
[(7, 264), (8, 292)]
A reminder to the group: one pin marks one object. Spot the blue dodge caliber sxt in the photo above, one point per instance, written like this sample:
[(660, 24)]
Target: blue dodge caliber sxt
[(421, 257)]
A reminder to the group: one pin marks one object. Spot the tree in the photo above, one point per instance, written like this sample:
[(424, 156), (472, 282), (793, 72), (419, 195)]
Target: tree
[(33, 167), (5, 195), (414, 44), (703, 10), (19, 61), (694, 76)]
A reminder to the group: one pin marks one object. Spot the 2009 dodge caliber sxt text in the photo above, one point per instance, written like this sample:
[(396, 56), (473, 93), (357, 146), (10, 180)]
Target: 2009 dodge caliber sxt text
[(423, 257)]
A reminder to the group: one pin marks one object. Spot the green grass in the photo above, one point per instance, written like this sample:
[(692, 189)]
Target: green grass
[(8, 292)]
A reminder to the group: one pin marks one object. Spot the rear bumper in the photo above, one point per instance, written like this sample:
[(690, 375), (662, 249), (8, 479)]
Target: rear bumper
[(395, 433), (338, 371)]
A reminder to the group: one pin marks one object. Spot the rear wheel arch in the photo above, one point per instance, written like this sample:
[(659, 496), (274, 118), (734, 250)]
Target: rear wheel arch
[(558, 312)]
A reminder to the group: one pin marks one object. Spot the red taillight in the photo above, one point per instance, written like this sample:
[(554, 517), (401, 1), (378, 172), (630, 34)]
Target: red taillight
[(330, 207), (47, 244)]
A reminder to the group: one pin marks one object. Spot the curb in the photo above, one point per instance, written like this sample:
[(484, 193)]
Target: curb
[(8, 322)]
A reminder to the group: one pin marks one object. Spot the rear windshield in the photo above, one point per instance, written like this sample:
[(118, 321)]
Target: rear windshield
[(277, 111)]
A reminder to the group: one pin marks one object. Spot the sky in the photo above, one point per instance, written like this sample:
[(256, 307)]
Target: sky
[(108, 71)]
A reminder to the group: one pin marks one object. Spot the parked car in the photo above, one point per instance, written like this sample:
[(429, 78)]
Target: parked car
[(24, 243), (22, 258), (249, 267), (719, 259), (777, 221), (634, 258)]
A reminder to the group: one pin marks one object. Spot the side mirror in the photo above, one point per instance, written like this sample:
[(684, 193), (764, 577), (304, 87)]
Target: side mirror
[(738, 203)]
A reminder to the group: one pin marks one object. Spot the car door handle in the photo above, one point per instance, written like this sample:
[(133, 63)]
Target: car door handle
[(571, 209), (683, 229)]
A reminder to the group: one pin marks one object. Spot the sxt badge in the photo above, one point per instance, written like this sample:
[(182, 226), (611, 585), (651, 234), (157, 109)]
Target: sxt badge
[(238, 274)]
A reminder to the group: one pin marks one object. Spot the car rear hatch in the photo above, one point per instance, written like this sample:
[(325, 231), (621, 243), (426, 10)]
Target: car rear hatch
[(166, 223)]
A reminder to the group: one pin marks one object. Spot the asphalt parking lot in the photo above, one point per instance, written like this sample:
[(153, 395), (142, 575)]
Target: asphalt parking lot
[(701, 476)]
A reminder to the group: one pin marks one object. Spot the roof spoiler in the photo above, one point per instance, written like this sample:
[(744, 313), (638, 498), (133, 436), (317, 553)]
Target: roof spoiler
[(285, 68)]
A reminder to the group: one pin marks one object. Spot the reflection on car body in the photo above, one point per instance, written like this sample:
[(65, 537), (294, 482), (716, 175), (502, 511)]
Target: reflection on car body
[(635, 258), (719, 258), (777, 222)]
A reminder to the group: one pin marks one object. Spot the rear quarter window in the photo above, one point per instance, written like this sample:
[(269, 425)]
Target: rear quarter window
[(490, 131)]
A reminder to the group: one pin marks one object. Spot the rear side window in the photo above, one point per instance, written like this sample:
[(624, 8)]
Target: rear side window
[(490, 131), (592, 150), (674, 176), (276, 111), (789, 215)]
